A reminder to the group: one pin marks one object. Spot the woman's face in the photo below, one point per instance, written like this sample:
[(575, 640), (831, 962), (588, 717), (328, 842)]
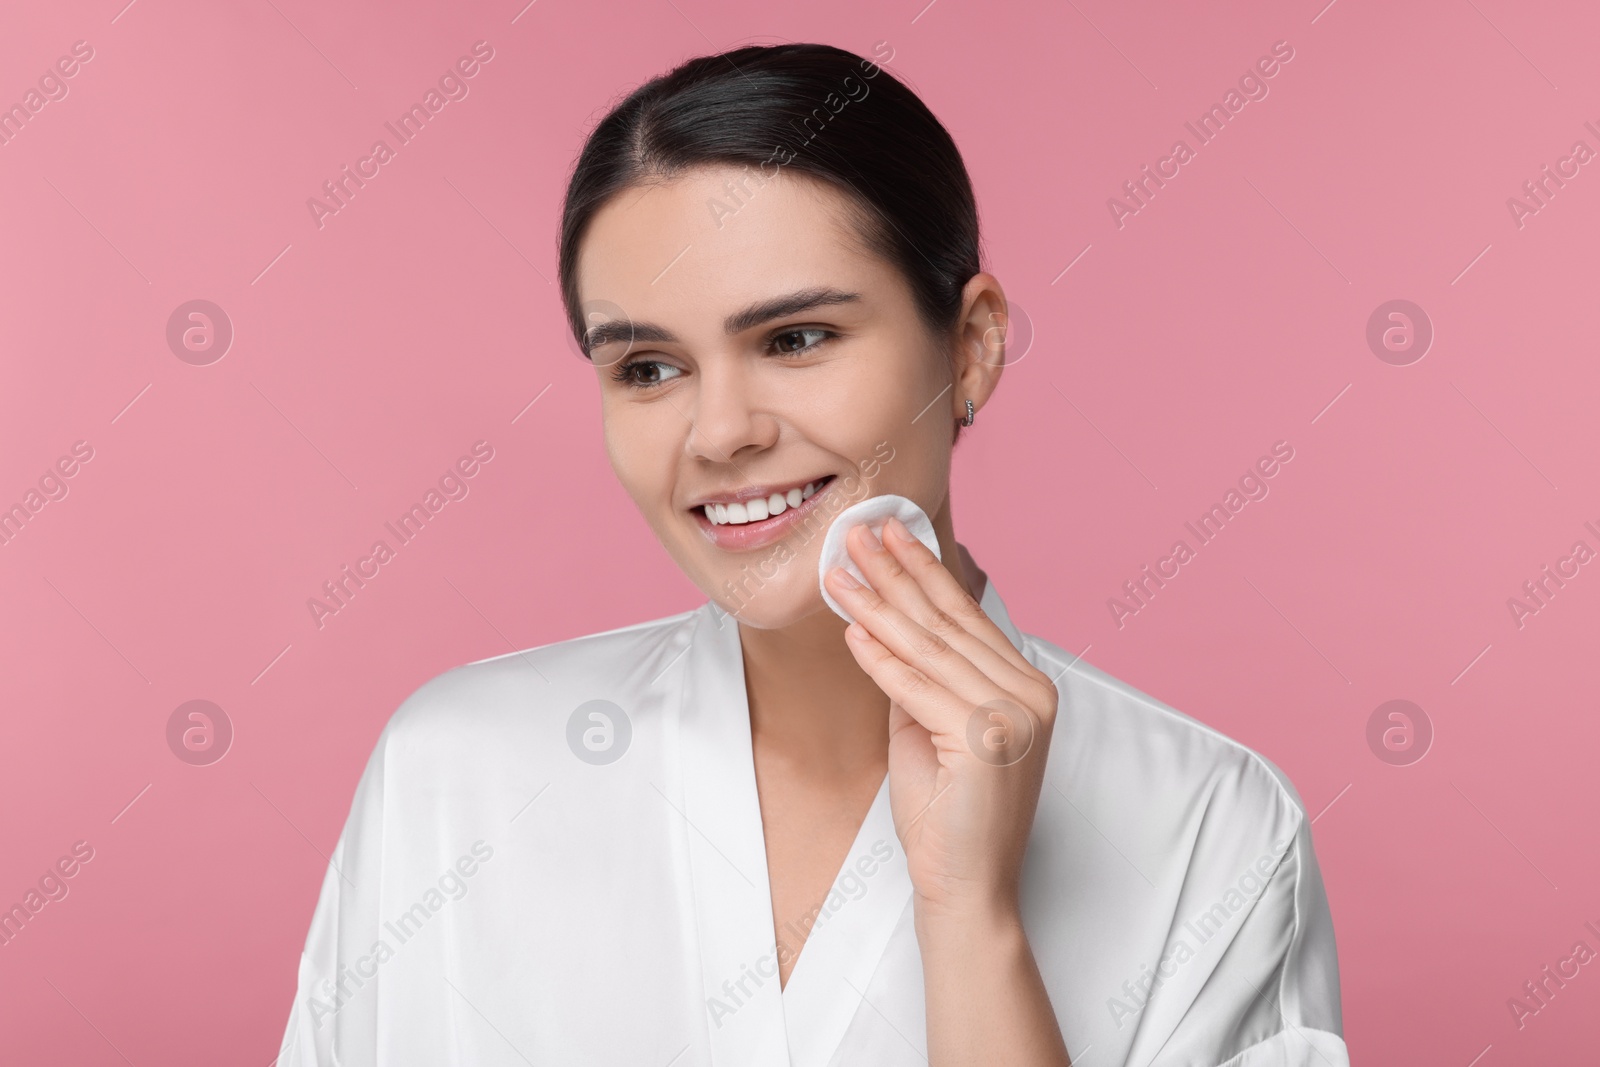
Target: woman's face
[(768, 353)]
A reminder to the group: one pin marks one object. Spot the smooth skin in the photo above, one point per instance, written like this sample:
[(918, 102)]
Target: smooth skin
[(709, 402)]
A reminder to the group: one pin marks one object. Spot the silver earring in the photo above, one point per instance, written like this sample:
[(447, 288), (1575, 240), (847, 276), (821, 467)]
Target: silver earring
[(971, 414)]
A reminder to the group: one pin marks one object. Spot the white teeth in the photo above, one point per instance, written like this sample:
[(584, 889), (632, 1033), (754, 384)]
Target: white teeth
[(759, 508)]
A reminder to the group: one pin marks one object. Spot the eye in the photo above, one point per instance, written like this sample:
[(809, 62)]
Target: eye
[(643, 373), (794, 341)]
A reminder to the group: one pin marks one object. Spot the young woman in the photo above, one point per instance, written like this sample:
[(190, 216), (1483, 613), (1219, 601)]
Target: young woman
[(751, 834)]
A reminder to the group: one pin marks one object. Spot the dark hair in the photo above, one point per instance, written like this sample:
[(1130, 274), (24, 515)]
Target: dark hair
[(820, 110)]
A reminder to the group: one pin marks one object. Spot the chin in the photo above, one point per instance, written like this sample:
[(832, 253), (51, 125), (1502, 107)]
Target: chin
[(775, 604)]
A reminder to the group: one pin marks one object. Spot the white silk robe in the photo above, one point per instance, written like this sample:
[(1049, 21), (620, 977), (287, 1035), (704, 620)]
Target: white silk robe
[(501, 895)]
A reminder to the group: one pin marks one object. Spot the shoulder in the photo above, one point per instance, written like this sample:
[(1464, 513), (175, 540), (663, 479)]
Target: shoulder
[(1221, 837), (525, 688), (1119, 746)]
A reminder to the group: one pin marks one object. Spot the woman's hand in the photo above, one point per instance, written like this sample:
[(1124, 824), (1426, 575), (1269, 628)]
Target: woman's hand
[(969, 726), (969, 723)]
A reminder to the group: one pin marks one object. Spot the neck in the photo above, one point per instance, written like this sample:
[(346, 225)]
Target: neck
[(810, 702)]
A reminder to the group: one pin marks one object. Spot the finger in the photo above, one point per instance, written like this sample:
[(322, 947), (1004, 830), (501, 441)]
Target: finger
[(937, 632), (933, 706), (905, 732), (916, 647), (912, 578), (947, 595)]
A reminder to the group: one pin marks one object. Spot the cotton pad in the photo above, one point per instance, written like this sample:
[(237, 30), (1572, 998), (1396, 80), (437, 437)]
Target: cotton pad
[(874, 512)]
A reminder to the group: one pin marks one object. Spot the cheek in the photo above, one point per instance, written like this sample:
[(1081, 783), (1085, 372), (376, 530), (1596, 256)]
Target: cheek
[(624, 451), (643, 455), (878, 390), (902, 396), (912, 429)]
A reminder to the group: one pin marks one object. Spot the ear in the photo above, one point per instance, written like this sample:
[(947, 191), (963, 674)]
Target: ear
[(980, 343)]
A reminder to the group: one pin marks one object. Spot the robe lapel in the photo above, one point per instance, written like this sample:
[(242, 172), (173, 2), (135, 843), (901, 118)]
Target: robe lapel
[(870, 895), (750, 1022), (727, 852)]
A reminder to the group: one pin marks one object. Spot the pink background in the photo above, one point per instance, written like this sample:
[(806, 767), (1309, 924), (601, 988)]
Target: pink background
[(1227, 314)]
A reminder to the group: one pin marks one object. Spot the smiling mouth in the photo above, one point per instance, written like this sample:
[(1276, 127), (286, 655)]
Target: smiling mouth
[(760, 509)]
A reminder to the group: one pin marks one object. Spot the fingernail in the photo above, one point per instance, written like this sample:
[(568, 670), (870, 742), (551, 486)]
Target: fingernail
[(900, 530), (846, 579)]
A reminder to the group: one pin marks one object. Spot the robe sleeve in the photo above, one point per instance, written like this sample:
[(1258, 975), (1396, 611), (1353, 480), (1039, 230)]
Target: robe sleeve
[(333, 1021), (1273, 998)]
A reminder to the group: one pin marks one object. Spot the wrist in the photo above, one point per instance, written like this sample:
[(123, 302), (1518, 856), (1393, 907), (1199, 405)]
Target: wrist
[(987, 920)]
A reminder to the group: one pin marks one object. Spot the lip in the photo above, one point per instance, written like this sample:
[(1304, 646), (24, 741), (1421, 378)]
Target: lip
[(759, 534)]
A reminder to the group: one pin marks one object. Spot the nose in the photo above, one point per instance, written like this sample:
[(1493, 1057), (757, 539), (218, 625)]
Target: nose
[(726, 418)]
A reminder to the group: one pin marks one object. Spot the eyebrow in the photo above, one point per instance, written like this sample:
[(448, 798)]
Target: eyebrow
[(613, 330)]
